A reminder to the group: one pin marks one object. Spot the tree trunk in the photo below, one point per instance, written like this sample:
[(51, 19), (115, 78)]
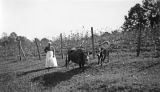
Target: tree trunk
[(38, 49), (139, 41), (93, 52)]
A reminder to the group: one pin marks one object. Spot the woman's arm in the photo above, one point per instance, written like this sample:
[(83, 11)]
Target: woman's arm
[(45, 50)]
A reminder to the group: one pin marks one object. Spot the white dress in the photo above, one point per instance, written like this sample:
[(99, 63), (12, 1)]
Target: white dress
[(50, 60)]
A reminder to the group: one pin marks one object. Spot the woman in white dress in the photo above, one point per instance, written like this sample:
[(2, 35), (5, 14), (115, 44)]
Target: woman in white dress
[(51, 60)]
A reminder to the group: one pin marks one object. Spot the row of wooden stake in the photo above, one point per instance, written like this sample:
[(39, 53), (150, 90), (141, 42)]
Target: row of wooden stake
[(21, 51)]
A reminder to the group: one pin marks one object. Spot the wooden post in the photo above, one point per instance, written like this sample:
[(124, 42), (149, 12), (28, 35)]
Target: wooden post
[(34, 51), (93, 52), (86, 44), (61, 45), (100, 37), (38, 49), (5, 48), (20, 49)]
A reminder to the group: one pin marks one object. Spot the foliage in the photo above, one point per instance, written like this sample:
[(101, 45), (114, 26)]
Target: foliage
[(9, 45), (144, 20)]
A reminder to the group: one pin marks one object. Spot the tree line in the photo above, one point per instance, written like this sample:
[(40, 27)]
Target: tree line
[(9, 45)]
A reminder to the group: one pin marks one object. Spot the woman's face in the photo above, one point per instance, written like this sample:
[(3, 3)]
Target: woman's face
[(49, 44)]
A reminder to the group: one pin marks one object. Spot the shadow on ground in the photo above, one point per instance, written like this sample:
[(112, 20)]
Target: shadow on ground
[(27, 72), (52, 79)]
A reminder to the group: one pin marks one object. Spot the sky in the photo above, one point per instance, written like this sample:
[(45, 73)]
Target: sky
[(49, 18)]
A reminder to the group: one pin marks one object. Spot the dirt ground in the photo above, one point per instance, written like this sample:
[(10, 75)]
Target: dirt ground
[(124, 73)]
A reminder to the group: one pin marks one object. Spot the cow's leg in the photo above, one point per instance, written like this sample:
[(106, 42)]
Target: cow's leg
[(80, 63), (103, 58), (108, 55), (107, 59), (101, 61), (83, 63), (67, 63), (98, 58)]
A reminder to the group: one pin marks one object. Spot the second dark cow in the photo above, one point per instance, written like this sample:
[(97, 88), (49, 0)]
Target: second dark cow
[(103, 53)]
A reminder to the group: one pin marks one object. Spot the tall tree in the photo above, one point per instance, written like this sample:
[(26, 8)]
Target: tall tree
[(153, 14), (136, 19), (143, 16), (12, 38)]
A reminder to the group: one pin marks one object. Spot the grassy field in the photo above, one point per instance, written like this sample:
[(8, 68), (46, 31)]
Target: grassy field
[(124, 73)]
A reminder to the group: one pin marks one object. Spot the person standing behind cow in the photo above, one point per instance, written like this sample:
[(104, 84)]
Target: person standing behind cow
[(51, 60)]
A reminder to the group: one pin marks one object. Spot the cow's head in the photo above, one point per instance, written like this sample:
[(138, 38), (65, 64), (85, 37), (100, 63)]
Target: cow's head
[(87, 58)]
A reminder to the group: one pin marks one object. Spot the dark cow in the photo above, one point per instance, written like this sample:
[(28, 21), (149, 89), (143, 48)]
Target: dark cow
[(102, 55), (77, 56)]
